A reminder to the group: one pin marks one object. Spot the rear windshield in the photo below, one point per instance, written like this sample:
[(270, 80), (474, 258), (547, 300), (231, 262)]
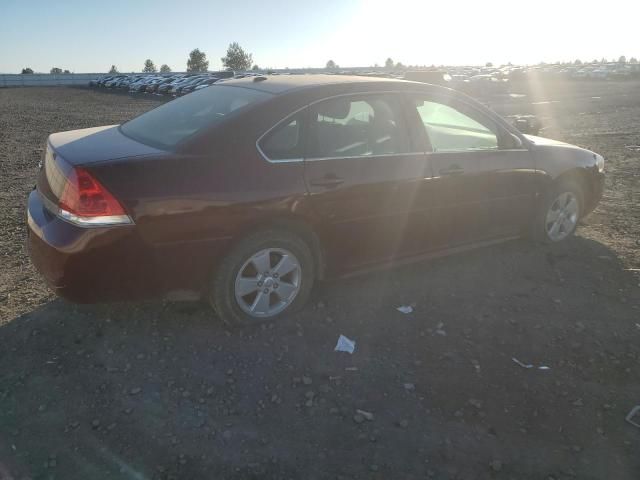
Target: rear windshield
[(175, 121)]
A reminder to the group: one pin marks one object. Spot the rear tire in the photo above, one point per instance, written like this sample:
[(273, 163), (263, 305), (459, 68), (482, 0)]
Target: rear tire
[(559, 212), (267, 275)]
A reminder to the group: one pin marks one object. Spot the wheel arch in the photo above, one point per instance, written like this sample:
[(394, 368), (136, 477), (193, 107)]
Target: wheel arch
[(580, 176), (296, 225)]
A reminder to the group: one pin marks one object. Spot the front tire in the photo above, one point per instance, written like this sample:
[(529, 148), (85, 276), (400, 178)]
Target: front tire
[(267, 275), (559, 213)]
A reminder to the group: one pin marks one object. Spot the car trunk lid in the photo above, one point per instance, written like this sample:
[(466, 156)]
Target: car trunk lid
[(86, 147), (98, 144)]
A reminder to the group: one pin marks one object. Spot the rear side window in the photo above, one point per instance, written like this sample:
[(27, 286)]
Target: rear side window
[(450, 130), (175, 121), (285, 142), (357, 127)]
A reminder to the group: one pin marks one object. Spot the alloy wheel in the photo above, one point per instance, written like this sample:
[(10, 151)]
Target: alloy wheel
[(562, 216), (268, 282)]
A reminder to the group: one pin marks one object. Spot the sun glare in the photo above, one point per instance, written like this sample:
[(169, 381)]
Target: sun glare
[(469, 32)]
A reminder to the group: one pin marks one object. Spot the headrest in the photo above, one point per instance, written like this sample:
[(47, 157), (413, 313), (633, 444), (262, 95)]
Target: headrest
[(334, 108)]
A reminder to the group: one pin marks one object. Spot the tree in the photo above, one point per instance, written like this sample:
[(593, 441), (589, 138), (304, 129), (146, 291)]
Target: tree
[(488, 64), (66, 72), (113, 69), (237, 58), (388, 63), (633, 60), (165, 68), (331, 65), (149, 66), (399, 65), (27, 70), (622, 59), (255, 67), (197, 61), (577, 62), (55, 71)]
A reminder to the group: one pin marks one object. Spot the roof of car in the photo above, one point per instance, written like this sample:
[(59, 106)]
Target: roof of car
[(283, 83)]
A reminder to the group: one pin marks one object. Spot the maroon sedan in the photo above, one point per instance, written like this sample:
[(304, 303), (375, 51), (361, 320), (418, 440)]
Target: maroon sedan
[(247, 192)]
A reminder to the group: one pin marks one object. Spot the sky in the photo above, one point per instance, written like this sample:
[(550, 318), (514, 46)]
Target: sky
[(90, 35)]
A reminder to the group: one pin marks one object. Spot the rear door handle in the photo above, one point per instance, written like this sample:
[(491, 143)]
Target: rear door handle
[(452, 170), (327, 181)]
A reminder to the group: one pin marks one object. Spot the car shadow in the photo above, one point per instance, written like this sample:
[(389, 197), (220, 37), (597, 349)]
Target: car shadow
[(165, 390)]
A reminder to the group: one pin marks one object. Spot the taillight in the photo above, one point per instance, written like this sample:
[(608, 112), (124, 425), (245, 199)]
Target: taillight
[(85, 201)]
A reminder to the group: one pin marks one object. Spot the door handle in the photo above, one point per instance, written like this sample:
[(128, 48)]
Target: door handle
[(452, 170), (328, 181)]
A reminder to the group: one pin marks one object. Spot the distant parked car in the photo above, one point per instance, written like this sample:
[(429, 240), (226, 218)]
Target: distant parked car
[(177, 89), (599, 74), (103, 80), (248, 192), (126, 81), (224, 74), (149, 84), (206, 83), (165, 88), (153, 88), (190, 87), (621, 73), (487, 84), (96, 81), (113, 81), (580, 74), (141, 84)]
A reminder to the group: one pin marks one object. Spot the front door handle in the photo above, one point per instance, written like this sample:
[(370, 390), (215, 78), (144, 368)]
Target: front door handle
[(329, 180), (452, 170)]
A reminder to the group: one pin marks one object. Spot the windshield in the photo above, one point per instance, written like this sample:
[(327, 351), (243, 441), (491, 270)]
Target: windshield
[(173, 122)]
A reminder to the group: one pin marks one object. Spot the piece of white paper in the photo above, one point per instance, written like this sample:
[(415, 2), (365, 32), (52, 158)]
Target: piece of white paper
[(405, 309), (523, 365), (528, 365), (345, 345)]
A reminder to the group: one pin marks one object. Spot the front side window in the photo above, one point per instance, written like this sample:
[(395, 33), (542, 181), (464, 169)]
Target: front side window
[(450, 130), (357, 127), (175, 121)]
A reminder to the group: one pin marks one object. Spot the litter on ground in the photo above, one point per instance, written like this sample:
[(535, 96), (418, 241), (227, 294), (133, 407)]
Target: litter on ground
[(367, 415), (405, 309), (528, 365), (345, 345), (634, 411)]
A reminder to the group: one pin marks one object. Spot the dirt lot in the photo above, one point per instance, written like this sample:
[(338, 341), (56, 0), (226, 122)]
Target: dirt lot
[(162, 390)]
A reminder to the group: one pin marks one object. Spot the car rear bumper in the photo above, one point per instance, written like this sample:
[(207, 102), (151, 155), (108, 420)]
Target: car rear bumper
[(88, 265)]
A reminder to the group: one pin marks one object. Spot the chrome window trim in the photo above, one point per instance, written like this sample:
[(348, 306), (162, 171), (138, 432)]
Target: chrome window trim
[(276, 160), (295, 160), (281, 160), (478, 150), (405, 92), (408, 154)]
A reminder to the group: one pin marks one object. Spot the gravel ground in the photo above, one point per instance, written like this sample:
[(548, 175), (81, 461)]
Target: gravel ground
[(162, 390)]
